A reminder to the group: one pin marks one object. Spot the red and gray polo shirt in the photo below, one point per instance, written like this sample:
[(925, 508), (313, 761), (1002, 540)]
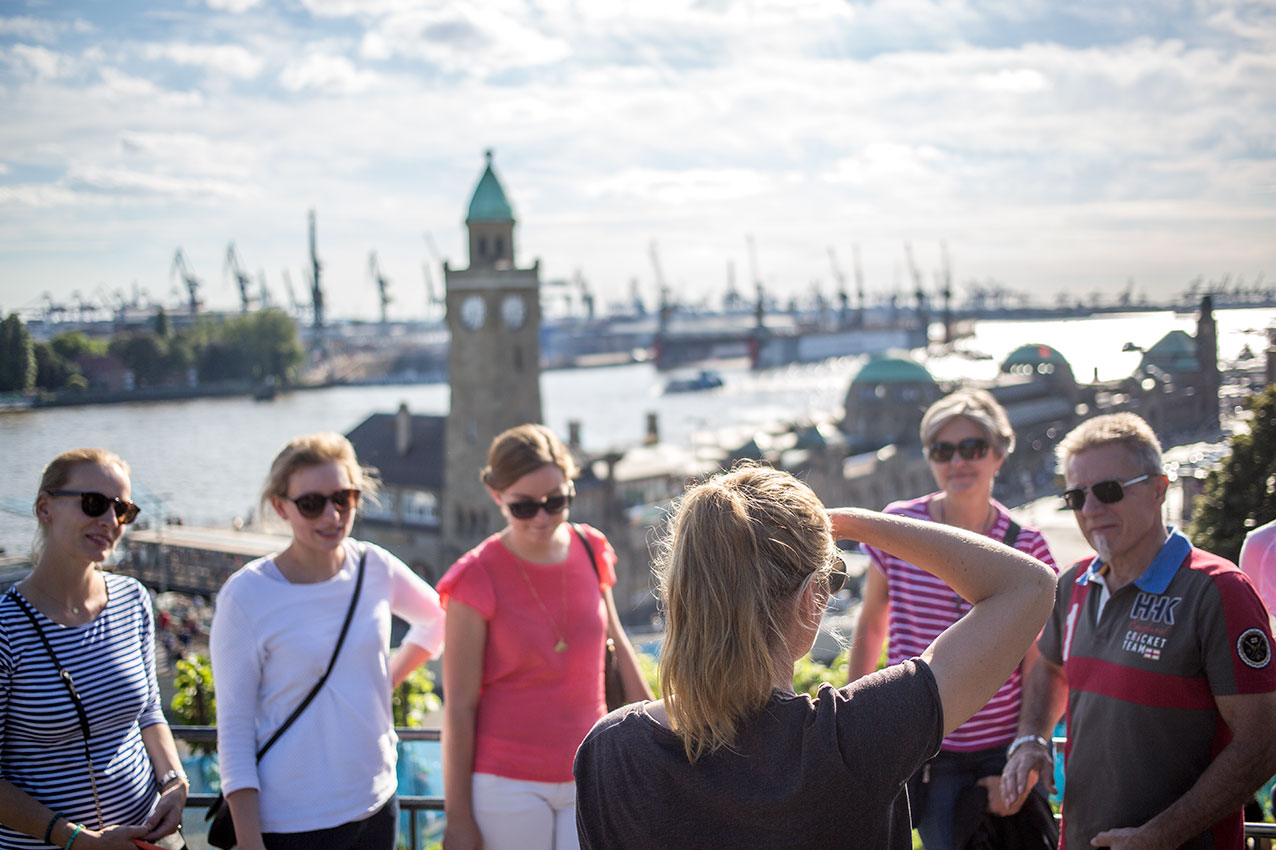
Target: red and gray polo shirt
[(1143, 666)]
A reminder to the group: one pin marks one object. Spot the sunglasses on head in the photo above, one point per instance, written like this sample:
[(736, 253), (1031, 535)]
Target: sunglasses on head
[(527, 508), (971, 448), (310, 505), (1107, 492), (95, 504)]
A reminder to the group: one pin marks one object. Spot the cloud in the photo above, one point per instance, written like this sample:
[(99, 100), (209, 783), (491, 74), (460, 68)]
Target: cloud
[(36, 29), (1016, 81), (326, 73), (679, 187), (4, 169), (116, 85), (41, 61), (469, 39), (231, 60), (235, 7), (121, 181)]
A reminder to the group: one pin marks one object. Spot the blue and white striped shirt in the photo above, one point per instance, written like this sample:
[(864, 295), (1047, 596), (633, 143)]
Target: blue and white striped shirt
[(112, 660)]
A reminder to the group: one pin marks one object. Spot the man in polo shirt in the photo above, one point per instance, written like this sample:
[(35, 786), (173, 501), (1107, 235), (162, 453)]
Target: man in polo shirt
[(1161, 654)]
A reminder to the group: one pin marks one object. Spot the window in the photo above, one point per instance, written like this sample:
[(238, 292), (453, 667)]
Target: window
[(420, 507)]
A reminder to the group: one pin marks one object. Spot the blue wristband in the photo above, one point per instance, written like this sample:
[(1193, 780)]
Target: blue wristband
[(48, 830), (71, 840)]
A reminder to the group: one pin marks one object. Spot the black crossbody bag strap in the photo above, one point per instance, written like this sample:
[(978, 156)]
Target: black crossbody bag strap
[(64, 675), (588, 551), (1012, 534), (341, 639)]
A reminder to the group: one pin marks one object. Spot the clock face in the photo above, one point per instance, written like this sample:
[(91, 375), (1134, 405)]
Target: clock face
[(473, 312), (513, 311)]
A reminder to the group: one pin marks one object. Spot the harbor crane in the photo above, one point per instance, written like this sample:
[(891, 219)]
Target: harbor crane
[(759, 310), (843, 298), (266, 301), (182, 268), (234, 267), (859, 286), (946, 291), (586, 294), (383, 284), (433, 299), (666, 307), (316, 268)]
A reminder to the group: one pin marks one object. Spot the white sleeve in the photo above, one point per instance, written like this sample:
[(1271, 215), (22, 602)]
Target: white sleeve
[(413, 600), (237, 679)]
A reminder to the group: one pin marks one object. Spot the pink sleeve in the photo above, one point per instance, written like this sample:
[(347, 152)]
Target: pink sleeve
[(604, 555), (467, 581)]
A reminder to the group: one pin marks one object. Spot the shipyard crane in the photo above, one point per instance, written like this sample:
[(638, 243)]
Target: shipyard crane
[(431, 298), (586, 294), (234, 267), (946, 290), (759, 309), (915, 273), (383, 284), (859, 286), (292, 295), (266, 301), (316, 269), (843, 298), (732, 301), (666, 307), (635, 297), (181, 267)]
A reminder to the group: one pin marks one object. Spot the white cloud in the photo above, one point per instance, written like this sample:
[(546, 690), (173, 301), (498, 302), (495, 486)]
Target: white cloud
[(679, 187), (327, 74), (124, 181), (229, 59), (4, 169), (233, 6), (36, 29), (41, 61), (1016, 81), (117, 85), (467, 39)]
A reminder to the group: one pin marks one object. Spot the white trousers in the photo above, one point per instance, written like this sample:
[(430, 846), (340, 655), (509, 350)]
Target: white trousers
[(517, 814)]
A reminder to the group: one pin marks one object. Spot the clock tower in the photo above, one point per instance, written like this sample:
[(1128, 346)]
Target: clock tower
[(493, 316)]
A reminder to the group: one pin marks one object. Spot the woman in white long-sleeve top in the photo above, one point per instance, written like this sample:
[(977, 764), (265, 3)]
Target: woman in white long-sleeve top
[(329, 781)]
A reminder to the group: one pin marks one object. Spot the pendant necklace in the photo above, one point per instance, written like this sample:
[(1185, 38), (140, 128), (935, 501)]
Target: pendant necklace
[(561, 646)]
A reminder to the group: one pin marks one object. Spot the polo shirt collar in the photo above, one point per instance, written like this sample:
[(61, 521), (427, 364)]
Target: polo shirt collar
[(1156, 578)]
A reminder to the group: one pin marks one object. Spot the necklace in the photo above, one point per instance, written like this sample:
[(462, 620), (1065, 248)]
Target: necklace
[(561, 646)]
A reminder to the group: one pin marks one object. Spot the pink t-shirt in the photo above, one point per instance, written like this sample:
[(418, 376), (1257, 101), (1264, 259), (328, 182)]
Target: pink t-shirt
[(535, 705), (922, 606)]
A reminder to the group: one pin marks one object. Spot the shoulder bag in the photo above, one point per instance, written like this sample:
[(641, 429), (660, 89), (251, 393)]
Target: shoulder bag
[(221, 827), (613, 685), (172, 841)]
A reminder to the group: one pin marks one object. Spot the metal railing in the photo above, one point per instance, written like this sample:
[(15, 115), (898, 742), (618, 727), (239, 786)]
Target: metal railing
[(413, 805)]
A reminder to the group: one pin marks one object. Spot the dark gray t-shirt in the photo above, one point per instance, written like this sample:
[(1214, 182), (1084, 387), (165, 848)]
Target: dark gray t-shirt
[(804, 773)]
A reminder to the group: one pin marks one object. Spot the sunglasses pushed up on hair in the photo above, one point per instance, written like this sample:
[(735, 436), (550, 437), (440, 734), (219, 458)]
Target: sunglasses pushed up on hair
[(95, 504), (1107, 492), (528, 508), (310, 505), (971, 448)]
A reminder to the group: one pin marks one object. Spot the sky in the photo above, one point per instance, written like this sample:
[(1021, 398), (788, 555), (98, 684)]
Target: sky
[(1048, 147)]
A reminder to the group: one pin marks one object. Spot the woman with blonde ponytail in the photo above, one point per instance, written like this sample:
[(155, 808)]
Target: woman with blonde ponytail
[(731, 756)]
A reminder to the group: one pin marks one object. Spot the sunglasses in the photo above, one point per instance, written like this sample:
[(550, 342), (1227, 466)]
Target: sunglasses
[(95, 504), (528, 508), (310, 505), (971, 448), (837, 578), (1107, 492)]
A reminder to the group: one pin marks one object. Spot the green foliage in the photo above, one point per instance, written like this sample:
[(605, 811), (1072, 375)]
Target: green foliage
[(415, 698), (17, 356), (809, 674), (73, 344), (144, 353), (650, 668), (194, 700), (1240, 494), (163, 327)]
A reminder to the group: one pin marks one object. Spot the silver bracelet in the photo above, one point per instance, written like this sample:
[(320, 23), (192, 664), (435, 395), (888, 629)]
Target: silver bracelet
[(172, 774), (1029, 739)]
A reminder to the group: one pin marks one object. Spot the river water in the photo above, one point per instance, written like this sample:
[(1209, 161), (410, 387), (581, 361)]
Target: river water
[(204, 460)]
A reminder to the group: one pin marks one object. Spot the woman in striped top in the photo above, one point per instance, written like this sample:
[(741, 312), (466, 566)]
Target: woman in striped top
[(967, 436), (128, 783)]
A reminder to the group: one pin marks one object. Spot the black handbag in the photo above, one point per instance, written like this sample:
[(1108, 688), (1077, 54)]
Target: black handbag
[(613, 685), (221, 826), (172, 841)]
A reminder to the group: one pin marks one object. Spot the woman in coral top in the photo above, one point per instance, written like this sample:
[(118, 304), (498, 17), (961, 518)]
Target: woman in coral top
[(527, 620)]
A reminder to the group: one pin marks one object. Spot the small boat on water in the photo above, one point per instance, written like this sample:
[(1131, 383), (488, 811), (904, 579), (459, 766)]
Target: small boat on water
[(707, 379)]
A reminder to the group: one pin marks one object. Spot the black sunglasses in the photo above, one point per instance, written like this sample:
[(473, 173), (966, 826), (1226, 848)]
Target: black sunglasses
[(310, 505), (95, 504), (527, 508), (837, 577), (971, 448), (1107, 492)]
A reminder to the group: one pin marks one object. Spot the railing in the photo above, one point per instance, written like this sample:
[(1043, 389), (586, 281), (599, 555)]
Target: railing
[(413, 805)]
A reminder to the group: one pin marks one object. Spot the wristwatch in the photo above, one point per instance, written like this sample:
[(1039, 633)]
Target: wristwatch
[(174, 773), (1030, 739)]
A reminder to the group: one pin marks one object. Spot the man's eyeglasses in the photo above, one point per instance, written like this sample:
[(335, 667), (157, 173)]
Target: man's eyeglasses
[(527, 508), (971, 448), (310, 505), (95, 504), (1107, 492)]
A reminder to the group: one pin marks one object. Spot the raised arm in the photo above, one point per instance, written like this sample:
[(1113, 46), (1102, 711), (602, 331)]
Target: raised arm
[(1012, 594), (462, 679)]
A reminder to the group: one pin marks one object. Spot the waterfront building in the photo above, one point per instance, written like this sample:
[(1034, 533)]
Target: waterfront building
[(885, 403)]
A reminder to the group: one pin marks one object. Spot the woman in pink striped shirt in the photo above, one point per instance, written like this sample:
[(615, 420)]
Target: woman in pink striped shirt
[(967, 437)]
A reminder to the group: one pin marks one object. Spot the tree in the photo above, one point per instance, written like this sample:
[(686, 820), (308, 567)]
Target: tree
[(52, 370), (17, 356), (1240, 494), (163, 327), (144, 353)]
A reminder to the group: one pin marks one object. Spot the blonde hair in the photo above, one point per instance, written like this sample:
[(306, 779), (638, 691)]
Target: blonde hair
[(1125, 429), (522, 450), (58, 473), (979, 407), (738, 550), (315, 450)]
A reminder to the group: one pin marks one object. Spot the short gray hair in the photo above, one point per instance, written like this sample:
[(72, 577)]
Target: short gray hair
[(1125, 429), (979, 407)]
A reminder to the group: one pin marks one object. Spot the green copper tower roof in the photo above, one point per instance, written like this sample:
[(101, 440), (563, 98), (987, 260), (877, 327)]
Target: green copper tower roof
[(489, 202)]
